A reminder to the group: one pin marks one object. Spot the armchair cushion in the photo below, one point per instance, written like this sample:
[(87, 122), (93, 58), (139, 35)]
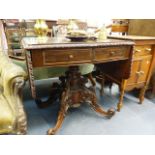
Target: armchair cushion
[(15, 39), (48, 72), (15, 46)]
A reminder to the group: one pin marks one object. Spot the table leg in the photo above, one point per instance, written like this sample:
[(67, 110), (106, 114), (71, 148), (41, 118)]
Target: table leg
[(96, 107), (61, 116)]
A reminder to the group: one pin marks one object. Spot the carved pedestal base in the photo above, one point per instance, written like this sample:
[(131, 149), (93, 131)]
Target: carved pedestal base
[(76, 92)]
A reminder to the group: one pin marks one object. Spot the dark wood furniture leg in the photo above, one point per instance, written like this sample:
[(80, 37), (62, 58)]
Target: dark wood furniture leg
[(102, 86), (101, 79), (152, 85), (153, 90), (61, 116), (90, 77), (76, 93)]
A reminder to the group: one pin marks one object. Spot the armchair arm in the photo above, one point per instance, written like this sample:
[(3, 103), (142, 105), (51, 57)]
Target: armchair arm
[(17, 58), (12, 79)]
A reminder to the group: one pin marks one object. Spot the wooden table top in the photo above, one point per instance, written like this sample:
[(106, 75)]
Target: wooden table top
[(132, 37), (48, 42)]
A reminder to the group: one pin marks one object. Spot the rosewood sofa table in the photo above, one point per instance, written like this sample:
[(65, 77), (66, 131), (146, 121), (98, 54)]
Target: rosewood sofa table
[(51, 52)]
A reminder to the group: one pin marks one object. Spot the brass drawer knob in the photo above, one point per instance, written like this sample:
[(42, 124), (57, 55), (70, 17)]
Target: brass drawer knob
[(71, 56), (112, 53), (148, 49), (137, 50), (140, 73)]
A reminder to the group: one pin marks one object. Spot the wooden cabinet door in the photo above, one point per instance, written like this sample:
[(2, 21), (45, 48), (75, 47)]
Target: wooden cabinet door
[(140, 69), (135, 68), (144, 69)]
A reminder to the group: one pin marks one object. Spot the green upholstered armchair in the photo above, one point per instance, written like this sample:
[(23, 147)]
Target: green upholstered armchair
[(12, 77), (12, 115)]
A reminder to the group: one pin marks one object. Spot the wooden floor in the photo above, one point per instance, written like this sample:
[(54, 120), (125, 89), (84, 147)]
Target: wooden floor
[(133, 119)]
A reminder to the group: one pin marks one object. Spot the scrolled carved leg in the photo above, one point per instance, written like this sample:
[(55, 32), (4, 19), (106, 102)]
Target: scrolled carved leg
[(96, 107), (122, 91), (61, 116)]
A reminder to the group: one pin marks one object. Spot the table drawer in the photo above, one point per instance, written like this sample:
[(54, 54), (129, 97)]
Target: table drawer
[(142, 50), (112, 53), (66, 56)]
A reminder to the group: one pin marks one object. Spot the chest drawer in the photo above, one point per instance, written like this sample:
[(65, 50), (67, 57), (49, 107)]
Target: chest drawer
[(112, 53), (50, 57), (142, 50)]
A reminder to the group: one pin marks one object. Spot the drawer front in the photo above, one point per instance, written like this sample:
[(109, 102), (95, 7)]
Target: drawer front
[(142, 50), (66, 56), (112, 53)]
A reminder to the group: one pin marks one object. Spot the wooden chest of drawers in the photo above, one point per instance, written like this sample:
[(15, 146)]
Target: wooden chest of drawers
[(142, 59), (143, 62), (142, 50)]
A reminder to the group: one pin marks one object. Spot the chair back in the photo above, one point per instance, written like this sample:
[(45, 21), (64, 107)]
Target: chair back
[(120, 26)]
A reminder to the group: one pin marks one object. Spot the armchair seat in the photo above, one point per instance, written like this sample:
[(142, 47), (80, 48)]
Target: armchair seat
[(7, 117), (48, 72)]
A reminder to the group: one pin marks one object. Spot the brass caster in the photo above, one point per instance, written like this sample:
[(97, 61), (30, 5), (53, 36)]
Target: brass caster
[(111, 112), (50, 132), (119, 106), (140, 102), (118, 110)]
